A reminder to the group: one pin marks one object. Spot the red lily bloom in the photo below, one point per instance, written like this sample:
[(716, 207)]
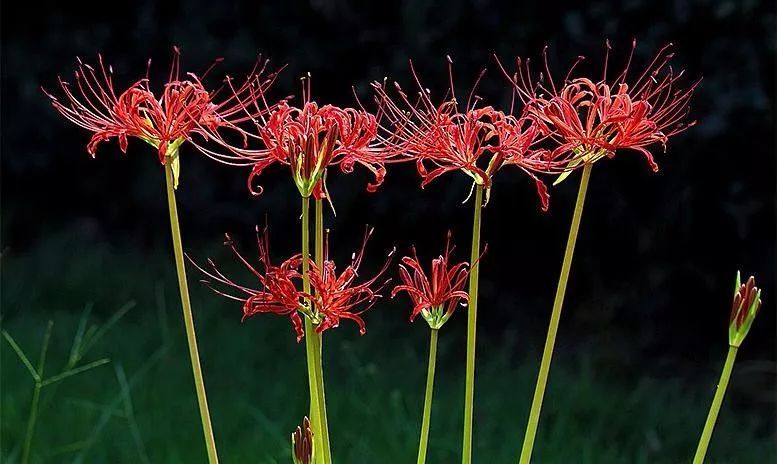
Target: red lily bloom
[(598, 119), (338, 297), (277, 291), (450, 139), (309, 139), (184, 108), (437, 298)]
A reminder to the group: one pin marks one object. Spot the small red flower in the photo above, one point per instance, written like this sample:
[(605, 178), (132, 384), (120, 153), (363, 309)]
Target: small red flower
[(475, 140), (338, 297), (437, 298), (277, 291), (184, 108), (596, 119), (309, 139)]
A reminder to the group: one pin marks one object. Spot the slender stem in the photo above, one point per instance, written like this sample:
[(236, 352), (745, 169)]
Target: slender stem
[(311, 347), (704, 441), (188, 319), (31, 421), (550, 340), (472, 315), (319, 340), (424, 440), (34, 405)]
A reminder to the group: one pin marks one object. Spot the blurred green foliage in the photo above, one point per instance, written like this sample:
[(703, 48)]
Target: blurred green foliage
[(144, 409)]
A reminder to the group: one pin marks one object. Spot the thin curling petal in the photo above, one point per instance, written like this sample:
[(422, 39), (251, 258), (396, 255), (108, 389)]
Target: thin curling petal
[(276, 290), (435, 297)]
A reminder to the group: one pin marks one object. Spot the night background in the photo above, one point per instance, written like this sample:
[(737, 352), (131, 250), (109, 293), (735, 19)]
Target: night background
[(644, 330)]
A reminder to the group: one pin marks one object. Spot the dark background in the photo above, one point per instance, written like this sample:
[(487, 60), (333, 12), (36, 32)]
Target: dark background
[(653, 275)]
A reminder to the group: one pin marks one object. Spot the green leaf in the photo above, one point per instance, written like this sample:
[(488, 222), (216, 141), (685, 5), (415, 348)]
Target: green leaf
[(75, 371), (21, 355)]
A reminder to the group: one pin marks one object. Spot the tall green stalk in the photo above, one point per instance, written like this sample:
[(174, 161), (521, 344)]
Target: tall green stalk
[(311, 347), (424, 439), (472, 316), (720, 392), (319, 340), (550, 340), (191, 337)]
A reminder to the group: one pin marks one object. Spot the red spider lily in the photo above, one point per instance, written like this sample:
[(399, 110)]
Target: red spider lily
[(277, 291), (437, 298), (338, 297), (309, 139), (596, 119), (442, 138), (744, 308), (184, 108)]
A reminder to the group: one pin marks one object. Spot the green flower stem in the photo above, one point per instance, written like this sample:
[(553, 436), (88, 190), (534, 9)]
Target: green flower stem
[(424, 440), (319, 257), (704, 441), (472, 315), (550, 340), (319, 340), (191, 337), (311, 347)]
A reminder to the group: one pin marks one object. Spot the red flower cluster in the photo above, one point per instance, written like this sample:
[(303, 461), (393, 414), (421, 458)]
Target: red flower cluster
[(309, 139), (333, 296), (437, 298), (475, 140), (338, 297), (184, 108), (596, 119)]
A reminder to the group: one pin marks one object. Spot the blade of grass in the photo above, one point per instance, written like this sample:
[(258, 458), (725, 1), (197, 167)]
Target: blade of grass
[(102, 330), (75, 349), (130, 412), (75, 371), (22, 356), (110, 410)]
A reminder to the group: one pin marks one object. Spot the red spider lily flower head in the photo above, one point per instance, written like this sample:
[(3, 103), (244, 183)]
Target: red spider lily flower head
[(596, 119), (338, 296), (744, 308), (184, 108), (277, 292), (434, 298), (302, 449), (309, 139), (444, 137)]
